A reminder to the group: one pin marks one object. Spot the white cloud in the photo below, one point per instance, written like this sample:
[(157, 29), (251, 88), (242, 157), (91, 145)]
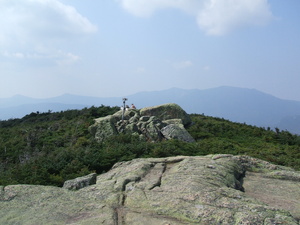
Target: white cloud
[(221, 16), (183, 64), (66, 58), (215, 17), (140, 70), (58, 57), (206, 68), (29, 25), (47, 18), (145, 8)]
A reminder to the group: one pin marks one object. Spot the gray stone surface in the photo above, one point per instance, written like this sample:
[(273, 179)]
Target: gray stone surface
[(167, 112), (213, 189), (81, 182), (176, 131), (147, 123)]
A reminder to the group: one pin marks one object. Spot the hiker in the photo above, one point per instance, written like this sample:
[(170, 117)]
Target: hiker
[(133, 106)]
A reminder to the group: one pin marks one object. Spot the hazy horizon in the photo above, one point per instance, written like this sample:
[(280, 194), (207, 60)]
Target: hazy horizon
[(121, 96)]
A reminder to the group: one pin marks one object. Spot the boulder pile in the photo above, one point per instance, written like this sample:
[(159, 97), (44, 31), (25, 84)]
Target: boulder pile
[(156, 123)]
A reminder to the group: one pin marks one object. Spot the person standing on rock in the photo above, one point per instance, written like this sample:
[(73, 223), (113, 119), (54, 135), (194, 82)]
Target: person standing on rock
[(133, 106)]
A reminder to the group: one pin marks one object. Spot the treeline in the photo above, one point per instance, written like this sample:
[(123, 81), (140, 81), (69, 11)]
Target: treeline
[(217, 135), (49, 148)]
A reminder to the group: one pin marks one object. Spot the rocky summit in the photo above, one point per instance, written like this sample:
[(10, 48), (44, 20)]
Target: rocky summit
[(213, 189), (155, 123)]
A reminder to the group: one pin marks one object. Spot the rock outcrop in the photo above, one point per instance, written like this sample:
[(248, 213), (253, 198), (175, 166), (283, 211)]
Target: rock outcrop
[(81, 182), (213, 189), (156, 123)]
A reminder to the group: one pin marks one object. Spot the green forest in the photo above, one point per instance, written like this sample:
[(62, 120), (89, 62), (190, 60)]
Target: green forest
[(49, 148)]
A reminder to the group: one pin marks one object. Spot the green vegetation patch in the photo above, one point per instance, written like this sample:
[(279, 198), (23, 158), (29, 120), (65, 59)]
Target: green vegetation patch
[(49, 148)]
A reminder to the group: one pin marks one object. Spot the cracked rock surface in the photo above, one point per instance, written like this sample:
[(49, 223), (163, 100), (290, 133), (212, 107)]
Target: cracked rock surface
[(213, 189), (167, 121)]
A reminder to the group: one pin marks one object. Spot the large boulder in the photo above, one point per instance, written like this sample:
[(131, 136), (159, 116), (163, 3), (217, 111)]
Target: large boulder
[(213, 189), (167, 112), (174, 131), (103, 128), (152, 124)]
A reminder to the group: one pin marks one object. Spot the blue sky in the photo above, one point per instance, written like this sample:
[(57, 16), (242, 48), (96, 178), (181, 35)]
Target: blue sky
[(113, 48)]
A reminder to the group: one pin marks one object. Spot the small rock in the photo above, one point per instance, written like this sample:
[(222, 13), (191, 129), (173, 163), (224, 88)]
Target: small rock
[(81, 182), (211, 166)]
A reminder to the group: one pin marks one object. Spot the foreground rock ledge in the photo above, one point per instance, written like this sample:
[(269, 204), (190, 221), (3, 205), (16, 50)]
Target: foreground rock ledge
[(214, 189)]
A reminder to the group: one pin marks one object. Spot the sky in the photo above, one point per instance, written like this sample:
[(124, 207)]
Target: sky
[(114, 48)]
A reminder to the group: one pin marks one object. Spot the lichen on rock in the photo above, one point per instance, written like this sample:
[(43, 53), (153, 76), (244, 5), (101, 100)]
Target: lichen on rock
[(155, 123), (167, 112), (80, 182), (176, 131), (213, 189)]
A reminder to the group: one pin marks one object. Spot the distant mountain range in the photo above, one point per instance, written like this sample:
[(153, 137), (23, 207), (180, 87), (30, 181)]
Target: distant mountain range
[(242, 105)]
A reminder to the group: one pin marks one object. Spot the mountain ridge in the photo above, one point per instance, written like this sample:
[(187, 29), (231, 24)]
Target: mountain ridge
[(242, 105)]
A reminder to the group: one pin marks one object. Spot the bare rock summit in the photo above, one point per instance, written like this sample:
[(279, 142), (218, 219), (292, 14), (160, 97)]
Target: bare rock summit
[(213, 189)]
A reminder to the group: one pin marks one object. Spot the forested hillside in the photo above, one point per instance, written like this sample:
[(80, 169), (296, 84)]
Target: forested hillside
[(49, 148)]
